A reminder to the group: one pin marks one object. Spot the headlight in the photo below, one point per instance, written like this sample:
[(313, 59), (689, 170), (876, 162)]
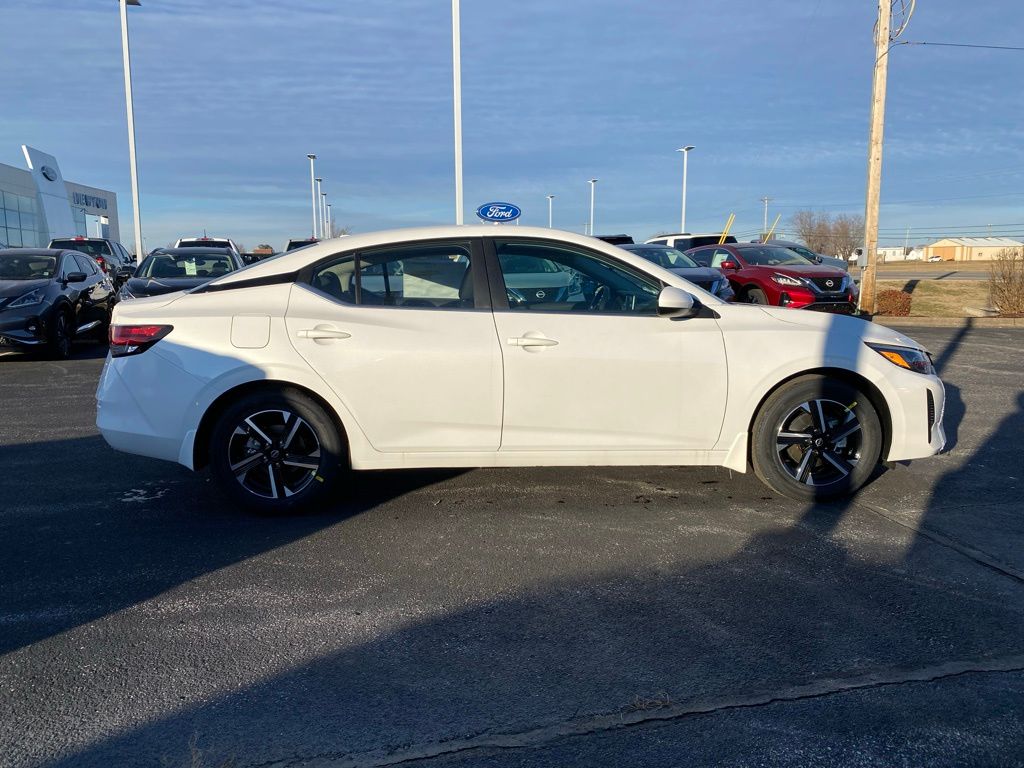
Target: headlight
[(906, 357), (787, 280), (28, 299)]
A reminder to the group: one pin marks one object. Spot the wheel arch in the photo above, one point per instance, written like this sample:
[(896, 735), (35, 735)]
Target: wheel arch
[(201, 443), (843, 374)]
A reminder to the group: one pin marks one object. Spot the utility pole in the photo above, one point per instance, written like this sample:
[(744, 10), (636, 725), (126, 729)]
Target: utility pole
[(550, 211), (457, 93), (875, 140), (764, 232)]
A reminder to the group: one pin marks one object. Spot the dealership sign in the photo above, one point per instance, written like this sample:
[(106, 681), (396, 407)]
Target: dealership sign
[(499, 212), (89, 201)]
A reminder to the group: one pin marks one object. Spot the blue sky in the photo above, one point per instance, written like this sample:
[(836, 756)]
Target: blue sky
[(774, 94)]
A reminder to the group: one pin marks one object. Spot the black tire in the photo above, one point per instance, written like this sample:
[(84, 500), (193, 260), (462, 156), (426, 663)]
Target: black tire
[(789, 443), (58, 346), (757, 296), (254, 461)]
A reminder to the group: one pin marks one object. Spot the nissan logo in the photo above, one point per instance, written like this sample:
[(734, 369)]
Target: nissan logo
[(49, 173), (541, 294), (830, 283)]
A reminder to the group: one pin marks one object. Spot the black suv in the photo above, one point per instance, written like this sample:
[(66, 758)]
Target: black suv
[(49, 297), (112, 257)]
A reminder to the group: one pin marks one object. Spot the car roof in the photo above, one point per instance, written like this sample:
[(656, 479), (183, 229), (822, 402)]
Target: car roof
[(648, 247), (292, 261), (36, 251), (80, 239), (206, 250)]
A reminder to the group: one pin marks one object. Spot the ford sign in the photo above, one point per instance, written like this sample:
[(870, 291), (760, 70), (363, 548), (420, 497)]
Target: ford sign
[(499, 212), (49, 173)]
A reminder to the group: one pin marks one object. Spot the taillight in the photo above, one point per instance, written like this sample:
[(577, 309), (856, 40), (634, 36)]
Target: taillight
[(102, 262), (132, 339)]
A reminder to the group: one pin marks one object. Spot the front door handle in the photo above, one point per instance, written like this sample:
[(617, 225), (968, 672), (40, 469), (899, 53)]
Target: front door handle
[(322, 333), (528, 340)]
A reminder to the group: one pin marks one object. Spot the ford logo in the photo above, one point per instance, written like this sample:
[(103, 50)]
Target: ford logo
[(499, 212), (49, 173)]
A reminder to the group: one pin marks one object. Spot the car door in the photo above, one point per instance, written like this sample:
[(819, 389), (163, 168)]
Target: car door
[(602, 372), (94, 294), (404, 336)]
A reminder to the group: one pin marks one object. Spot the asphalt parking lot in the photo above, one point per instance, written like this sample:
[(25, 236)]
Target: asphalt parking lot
[(519, 617)]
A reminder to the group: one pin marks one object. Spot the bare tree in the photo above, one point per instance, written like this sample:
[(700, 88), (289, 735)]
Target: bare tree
[(847, 234), (814, 229), (338, 231)]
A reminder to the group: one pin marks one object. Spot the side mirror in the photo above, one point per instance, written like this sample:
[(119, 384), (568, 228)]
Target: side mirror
[(817, 259), (124, 273), (675, 302), (75, 277), (728, 265)]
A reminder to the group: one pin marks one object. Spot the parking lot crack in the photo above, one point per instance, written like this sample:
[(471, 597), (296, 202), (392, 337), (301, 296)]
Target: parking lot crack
[(971, 553), (487, 741)]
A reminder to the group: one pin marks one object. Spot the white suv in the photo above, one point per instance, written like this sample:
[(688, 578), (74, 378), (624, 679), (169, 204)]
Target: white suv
[(207, 242), (685, 240)]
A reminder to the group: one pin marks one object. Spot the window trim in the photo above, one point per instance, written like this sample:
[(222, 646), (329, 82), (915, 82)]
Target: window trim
[(477, 258), (499, 298)]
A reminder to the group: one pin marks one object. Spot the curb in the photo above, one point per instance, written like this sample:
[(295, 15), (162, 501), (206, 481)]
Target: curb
[(948, 322)]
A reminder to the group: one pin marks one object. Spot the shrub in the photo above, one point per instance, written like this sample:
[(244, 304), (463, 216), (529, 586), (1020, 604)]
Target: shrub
[(893, 303), (1006, 281)]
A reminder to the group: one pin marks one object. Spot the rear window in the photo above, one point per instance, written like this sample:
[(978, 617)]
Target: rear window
[(164, 265), (204, 244), (92, 247)]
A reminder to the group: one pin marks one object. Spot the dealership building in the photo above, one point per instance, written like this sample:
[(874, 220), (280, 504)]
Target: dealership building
[(37, 204)]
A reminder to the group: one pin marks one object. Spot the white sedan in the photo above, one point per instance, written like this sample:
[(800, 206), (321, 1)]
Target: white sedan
[(409, 348)]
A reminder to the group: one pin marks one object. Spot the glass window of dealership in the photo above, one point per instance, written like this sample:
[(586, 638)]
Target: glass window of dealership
[(23, 222)]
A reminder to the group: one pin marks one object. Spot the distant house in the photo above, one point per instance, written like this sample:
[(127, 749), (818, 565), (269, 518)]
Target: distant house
[(970, 248), (885, 255)]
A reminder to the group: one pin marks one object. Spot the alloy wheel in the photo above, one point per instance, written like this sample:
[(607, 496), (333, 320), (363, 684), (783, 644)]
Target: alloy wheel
[(274, 454), (819, 442)]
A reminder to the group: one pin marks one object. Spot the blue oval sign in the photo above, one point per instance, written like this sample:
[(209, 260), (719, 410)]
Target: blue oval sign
[(499, 212)]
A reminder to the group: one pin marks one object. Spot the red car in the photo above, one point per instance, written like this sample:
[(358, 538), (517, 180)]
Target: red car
[(771, 274)]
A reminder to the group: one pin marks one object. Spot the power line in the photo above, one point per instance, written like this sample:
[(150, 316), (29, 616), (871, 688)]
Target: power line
[(961, 45)]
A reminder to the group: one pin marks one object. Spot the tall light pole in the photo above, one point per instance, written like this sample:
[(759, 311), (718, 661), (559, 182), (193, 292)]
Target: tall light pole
[(592, 183), (686, 156), (133, 162), (316, 202), (312, 188), (550, 210), (323, 212), (764, 231), (330, 222), (457, 87)]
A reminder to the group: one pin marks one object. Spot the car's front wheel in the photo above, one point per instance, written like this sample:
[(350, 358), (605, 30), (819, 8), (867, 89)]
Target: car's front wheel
[(757, 296), (277, 451), (59, 343), (816, 438)]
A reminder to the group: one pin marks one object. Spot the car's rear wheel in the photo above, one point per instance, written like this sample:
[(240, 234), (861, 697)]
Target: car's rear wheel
[(816, 438), (756, 296), (59, 346), (277, 451)]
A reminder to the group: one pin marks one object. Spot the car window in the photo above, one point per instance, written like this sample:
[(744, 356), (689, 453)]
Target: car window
[(167, 265), (91, 247), (772, 256), (30, 267), (669, 258), (582, 281), (85, 264), (702, 256), (423, 275), (719, 256)]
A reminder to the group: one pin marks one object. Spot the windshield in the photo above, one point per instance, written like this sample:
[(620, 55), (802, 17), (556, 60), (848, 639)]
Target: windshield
[(773, 256), (19, 267), (166, 266), (669, 258), (92, 247)]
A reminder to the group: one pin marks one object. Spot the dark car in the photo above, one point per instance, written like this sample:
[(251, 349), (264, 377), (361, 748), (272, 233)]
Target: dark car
[(112, 257), (770, 274), (295, 244), (616, 239), (179, 269), (807, 253), (50, 296), (674, 260)]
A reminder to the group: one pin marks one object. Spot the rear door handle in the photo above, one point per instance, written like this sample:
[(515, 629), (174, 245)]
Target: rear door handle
[(322, 333)]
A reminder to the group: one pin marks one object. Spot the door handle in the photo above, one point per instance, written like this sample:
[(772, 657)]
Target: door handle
[(531, 341), (322, 333)]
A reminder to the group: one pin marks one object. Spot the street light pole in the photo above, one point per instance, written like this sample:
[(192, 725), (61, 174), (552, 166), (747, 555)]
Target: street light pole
[(316, 202), (686, 156), (457, 88), (323, 212), (312, 188), (550, 210), (593, 183), (133, 162), (765, 200), (330, 222)]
